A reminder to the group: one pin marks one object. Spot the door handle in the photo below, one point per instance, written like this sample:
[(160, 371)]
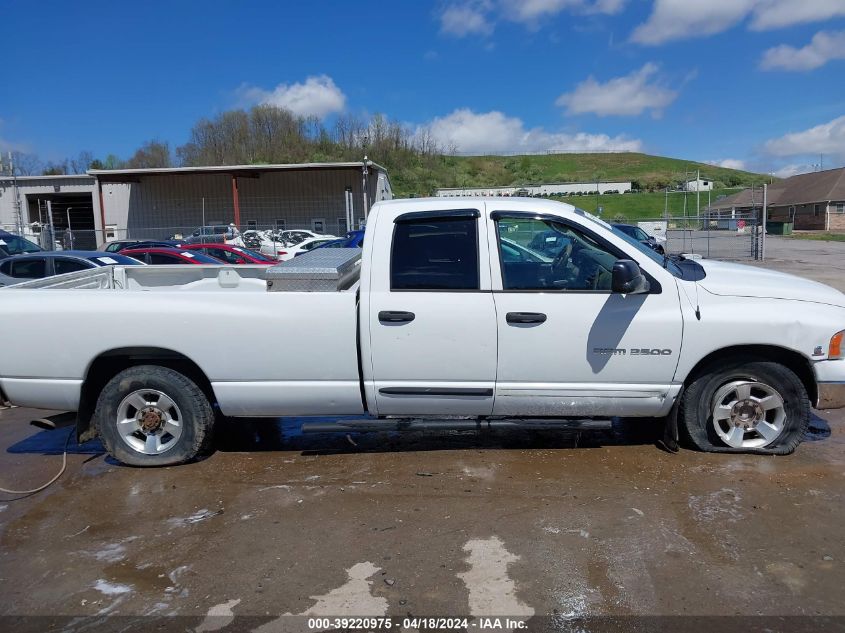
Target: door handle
[(391, 316), (525, 317)]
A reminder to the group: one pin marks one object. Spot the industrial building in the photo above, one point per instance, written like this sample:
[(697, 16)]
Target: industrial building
[(543, 189), (158, 203)]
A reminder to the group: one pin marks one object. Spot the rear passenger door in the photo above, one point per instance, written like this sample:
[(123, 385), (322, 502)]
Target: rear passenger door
[(432, 325)]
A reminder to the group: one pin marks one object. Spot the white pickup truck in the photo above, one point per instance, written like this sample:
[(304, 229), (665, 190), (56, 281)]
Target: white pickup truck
[(464, 313)]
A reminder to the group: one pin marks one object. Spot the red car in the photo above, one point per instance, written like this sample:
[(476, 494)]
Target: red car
[(169, 256), (230, 254)]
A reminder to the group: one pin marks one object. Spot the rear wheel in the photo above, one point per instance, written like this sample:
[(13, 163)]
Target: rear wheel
[(738, 406), (153, 416)]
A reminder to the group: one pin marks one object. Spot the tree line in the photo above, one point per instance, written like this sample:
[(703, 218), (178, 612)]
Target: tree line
[(267, 134)]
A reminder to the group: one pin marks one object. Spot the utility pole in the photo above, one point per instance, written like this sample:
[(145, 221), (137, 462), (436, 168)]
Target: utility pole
[(765, 219), (698, 192), (365, 172), (16, 200)]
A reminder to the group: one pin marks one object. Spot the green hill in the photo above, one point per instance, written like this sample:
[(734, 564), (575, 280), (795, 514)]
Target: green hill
[(649, 173)]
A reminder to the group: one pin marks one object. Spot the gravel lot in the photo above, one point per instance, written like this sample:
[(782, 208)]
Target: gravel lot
[(509, 523)]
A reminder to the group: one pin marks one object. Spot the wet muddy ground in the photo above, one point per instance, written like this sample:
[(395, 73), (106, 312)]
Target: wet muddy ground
[(428, 523), (510, 523)]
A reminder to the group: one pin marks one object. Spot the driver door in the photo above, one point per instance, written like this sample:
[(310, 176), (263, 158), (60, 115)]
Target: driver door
[(568, 346)]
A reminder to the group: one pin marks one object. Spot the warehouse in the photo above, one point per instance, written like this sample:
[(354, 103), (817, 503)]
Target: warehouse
[(159, 203), (323, 197), (39, 201)]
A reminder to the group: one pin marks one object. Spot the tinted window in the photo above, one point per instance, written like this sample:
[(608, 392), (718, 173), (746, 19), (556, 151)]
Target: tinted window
[(14, 245), (29, 269), (552, 256), (160, 259), (435, 254), (63, 266), (227, 256)]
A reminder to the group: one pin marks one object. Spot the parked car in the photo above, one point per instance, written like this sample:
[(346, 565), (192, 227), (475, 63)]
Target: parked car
[(641, 236), (430, 328), (304, 246), (121, 245), (20, 268), (11, 244), (278, 243), (169, 256), (353, 239), (211, 234), (230, 254)]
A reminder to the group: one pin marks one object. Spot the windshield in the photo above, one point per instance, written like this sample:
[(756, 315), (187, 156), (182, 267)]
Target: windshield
[(14, 245), (114, 258), (253, 254), (653, 255), (202, 258)]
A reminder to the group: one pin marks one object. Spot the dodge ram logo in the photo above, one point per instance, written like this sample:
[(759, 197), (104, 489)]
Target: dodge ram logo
[(634, 351)]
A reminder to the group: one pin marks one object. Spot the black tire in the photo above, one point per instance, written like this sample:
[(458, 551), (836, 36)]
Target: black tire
[(695, 413), (197, 415)]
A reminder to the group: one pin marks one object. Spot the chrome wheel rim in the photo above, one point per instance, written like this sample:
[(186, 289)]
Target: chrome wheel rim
[(149, 421), (748, 414)]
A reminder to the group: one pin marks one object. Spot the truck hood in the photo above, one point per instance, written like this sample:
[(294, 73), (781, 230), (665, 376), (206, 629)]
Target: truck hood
[(738, 280)]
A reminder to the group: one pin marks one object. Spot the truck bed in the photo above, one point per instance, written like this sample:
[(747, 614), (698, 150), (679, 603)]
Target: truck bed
[(265, 353)]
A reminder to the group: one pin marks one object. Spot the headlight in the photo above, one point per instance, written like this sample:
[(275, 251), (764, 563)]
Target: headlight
[(835, 350)]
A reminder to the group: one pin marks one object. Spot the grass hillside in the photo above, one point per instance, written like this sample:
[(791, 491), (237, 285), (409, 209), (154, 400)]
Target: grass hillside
[(630, 207), (649, 173)]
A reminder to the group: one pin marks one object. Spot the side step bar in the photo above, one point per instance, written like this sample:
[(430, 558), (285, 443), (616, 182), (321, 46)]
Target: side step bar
[(420, 424)]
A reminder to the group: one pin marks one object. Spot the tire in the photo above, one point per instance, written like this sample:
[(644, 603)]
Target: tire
[(739, 406), (153, 416)]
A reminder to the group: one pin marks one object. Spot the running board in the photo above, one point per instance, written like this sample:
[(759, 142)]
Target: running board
[(419, 424)]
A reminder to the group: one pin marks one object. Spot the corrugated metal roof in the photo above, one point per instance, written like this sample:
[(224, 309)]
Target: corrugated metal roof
[(112, 174), (51, 177)]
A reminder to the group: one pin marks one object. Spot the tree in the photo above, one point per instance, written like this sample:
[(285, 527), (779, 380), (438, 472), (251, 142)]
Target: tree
[(150, 155), (26, 164)]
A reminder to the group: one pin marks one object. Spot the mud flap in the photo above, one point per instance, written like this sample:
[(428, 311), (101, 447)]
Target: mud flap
[(670, 441)]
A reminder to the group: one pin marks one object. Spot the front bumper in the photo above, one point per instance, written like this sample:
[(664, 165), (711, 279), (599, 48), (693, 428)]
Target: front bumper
[(830, 382), (831, 395)]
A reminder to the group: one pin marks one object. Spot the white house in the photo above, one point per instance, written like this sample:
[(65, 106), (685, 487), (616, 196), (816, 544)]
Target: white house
[(700, 184)]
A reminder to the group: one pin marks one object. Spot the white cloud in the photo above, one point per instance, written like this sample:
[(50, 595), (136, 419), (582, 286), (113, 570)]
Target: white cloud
[(317, 96), (466, 18), (775, 14), (622, 96), (529, 11), (677, 19), (728, 163), (461, 18), (491, 132), (827, 138), (792, 170), (824, 47)]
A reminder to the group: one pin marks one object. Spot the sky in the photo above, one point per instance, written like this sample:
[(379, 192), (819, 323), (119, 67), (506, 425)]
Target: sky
[(754, 84)]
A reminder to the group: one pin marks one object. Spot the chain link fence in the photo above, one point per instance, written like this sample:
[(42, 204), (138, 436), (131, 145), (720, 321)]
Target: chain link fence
[(736, 237)]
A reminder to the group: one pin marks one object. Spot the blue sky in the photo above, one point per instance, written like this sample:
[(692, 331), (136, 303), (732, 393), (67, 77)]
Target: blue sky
[(751, 83)]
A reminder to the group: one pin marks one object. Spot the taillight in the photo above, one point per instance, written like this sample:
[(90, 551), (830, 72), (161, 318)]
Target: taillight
[(835, 349)]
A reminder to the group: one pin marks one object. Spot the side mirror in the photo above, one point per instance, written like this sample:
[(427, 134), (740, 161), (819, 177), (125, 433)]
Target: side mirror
[(628, 278)]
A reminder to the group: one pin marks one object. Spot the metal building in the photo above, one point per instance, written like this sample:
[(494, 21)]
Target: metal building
[(104, 205), (41, 201), (325, 197)]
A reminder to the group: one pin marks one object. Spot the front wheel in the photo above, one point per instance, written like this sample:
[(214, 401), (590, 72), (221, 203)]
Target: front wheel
[(738, 406), (153, 416)]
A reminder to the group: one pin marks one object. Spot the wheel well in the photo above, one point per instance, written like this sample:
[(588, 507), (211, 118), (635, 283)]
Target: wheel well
[(786, 357), (108, 364)]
